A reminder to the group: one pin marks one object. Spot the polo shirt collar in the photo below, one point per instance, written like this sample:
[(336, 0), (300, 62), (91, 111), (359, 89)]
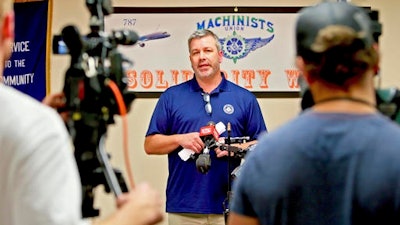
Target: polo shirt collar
[(195, 87)]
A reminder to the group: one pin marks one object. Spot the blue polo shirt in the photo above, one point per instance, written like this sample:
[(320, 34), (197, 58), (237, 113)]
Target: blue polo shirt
[(180, 109)]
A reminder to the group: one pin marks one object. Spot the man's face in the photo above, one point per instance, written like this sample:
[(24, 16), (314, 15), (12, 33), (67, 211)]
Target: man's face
[(205, 57)]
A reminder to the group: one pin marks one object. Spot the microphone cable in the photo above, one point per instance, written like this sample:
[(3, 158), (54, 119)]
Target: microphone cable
[(123, 112)]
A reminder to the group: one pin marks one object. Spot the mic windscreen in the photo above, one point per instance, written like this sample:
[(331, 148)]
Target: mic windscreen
[(203, 163), (209, 135), (209, 131), (220, 127), (126, 37)]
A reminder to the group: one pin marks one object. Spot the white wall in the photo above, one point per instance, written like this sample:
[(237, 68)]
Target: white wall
[(276, 111)]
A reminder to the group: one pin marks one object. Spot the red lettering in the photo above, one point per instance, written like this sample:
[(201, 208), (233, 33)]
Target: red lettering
[(132, 76), (174, 74), (248, 76), (293, 76), (264, 74), (161, 83), (147, 79), (160, 80)]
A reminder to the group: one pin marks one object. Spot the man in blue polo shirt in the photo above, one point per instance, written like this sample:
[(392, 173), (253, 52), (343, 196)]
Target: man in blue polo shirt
[(194, 197)]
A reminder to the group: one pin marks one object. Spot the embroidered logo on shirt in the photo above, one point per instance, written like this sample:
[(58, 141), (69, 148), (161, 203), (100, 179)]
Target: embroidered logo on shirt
[(228, 109)]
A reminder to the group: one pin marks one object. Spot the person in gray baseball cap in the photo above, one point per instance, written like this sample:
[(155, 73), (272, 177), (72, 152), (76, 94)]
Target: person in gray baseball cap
[(338, 162)]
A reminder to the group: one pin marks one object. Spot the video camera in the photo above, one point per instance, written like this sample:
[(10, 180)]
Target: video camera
[(95, 89)]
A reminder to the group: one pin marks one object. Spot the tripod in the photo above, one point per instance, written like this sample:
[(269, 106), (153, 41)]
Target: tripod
[(235, 153), (93, 163)]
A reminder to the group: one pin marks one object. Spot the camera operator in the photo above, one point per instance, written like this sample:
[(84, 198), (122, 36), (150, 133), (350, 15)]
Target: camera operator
[(339, 162), (39, 179)]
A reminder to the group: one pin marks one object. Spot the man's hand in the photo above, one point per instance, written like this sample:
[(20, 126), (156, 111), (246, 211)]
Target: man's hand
[(222, 150), (191, 141), (141, 206), (57, 101)]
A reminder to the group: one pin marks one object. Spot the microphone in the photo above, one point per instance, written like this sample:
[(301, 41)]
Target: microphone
[(209, 135), (93, 43), (203, 163), (229, 129), (125, 37)]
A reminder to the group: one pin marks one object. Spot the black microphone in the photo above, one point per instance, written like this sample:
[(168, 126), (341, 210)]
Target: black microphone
[(203, 163), (209, 135), (125, 37), (73, 40)]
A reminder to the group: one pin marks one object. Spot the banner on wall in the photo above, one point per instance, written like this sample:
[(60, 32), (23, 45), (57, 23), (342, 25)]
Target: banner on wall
[(258, 45), (26, 69)]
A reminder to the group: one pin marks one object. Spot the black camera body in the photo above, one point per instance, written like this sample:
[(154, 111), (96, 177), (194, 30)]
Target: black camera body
[(94, 84)]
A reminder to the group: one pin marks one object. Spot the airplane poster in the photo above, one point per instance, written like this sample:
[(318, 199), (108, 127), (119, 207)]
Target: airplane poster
[(257, 43)]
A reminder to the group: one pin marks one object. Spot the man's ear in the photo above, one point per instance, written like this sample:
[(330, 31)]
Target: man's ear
[(220, 56), (301, 65), (7, 33), (8, 26), (377, 68)]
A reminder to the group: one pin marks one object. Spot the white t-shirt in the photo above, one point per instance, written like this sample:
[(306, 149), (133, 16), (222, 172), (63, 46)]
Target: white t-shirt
[(39, 180)]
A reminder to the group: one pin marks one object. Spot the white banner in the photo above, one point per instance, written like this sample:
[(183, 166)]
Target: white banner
[(259, 48)]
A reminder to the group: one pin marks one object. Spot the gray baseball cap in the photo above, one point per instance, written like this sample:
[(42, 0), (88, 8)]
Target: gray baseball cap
[(313, 19)]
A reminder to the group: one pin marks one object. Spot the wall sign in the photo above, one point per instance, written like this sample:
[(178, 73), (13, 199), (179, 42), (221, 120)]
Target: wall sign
[(26, 69), (257, 42)]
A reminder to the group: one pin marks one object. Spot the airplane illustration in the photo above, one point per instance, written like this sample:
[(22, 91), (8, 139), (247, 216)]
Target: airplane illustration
[(152, 36)]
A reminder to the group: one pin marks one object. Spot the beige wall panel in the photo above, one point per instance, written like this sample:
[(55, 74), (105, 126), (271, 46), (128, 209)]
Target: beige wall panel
[(153, 169)]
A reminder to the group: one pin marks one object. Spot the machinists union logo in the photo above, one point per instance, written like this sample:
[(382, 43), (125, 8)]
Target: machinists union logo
[(236, 47), (228, 109)]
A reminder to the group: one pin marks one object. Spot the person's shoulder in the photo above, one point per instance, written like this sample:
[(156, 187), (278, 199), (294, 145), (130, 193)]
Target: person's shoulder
[(389, 128), (20, 108), (13, 99)]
